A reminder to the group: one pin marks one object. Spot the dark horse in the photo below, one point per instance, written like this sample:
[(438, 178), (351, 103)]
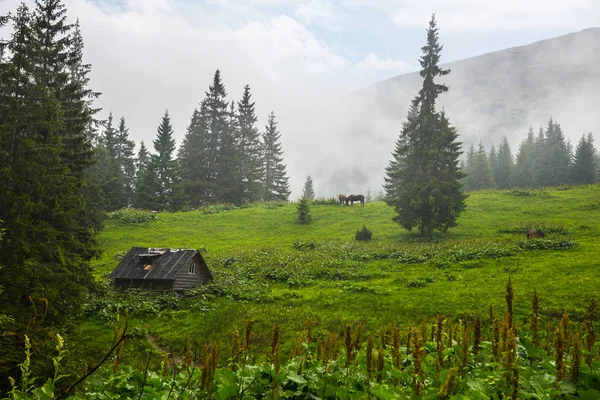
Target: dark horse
[(355, 197), (342, 198), (534, 234)]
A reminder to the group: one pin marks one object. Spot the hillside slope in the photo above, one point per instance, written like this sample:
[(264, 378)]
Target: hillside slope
[(503, 93)]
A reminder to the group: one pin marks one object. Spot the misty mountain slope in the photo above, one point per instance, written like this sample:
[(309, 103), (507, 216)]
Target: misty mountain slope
[(503, 93), (346, 142)]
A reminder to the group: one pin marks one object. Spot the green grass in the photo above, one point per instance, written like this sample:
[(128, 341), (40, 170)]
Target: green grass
[(263, 272)]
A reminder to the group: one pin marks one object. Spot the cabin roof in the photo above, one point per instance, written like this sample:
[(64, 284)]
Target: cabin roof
[(154, 263)]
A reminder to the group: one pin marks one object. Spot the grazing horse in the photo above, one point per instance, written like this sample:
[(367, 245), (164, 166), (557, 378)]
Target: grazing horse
[(534, 234), (358, 197), (342, 198)]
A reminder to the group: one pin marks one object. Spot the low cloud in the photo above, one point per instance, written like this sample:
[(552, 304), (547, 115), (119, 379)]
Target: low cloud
[(373, 61)]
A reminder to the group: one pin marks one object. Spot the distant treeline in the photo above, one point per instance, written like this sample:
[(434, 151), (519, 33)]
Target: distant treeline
[(223, 159), (545, 159)]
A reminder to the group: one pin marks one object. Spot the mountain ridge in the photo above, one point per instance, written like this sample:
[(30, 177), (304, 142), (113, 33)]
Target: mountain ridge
[(502, 93)]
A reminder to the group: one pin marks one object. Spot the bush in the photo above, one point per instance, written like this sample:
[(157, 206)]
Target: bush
[(304, 212), (322, 201), (132, 216), (364, 234)]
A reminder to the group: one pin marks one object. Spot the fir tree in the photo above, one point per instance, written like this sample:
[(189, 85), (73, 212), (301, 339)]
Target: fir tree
[(583, 170), (504, 165), (308, 191), (249, 148), (430, 194), (275, 180)]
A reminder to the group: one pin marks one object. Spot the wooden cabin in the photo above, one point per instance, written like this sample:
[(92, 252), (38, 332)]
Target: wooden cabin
[(161, 269)]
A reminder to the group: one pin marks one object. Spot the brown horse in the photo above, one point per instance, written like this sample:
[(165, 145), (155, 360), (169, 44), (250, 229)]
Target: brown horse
[(534, 234), (342, 198), (358, 197)]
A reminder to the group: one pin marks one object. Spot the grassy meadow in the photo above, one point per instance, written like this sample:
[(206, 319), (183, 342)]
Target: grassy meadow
[(269, 268)]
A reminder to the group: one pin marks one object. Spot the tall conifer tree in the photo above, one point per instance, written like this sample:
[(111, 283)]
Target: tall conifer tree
[(164, 164), (583, 170), (524, 172), (249, 148), (275, 180), (430, 195)]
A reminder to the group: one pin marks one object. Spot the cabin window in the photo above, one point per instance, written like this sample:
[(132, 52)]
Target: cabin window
[(191, 268)]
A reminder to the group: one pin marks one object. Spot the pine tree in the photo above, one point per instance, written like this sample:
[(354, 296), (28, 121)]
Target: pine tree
[(584, 169), (275, 180), (524, 172), (430, 195), (504, 165), (308, 191), (249, 148), (164, 165)]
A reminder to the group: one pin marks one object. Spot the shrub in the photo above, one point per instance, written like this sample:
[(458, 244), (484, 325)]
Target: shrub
[(364, 234), (322, 201), (304, 212), (132, 216)]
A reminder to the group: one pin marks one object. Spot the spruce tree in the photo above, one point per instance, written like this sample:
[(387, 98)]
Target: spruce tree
[(584, 169), (250, 163), (113, 187), (504, 165), (479, 170), (493, 159), (50, 223), (524, 173), (229, 188), (394, 171), (217, 125), (193, 159), (141, 162), (430, 195), (308, 191), (275, 180), (469, 169), (126, 161), (555, 157), (164, 165)]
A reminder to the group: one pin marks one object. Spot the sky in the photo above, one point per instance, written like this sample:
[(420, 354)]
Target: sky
[(301, 58)]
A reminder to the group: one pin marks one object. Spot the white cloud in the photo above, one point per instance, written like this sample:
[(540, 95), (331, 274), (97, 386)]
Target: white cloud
[(373, 61), (490, 15)]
